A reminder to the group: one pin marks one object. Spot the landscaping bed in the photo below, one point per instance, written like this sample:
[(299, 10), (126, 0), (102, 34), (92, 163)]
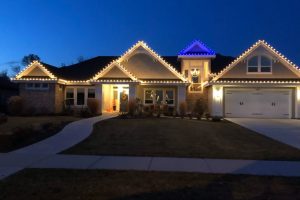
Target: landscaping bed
[(44, 184), (18, 132), (173, 137)]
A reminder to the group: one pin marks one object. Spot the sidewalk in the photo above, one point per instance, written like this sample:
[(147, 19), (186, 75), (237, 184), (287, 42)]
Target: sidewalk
[(72, 134), (196, 165)]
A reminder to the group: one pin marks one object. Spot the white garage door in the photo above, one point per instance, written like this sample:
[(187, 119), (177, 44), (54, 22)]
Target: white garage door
[(262, 103)]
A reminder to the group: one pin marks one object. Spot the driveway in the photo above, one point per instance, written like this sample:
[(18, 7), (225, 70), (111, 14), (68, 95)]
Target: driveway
[(284, 130)]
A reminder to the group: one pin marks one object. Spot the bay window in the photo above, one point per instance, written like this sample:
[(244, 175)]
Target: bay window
[(80, 96), (70, 96)]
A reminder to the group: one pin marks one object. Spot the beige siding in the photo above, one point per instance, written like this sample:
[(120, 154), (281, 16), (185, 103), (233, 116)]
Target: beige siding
[(115, 72), (144, 66), (59, 98), (36, 72), (279, 70)]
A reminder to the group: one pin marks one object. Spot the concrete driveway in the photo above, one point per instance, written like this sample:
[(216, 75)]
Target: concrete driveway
[(284, 130)]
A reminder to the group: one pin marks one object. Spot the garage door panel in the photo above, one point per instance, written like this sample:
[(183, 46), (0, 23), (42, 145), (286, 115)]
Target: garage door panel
[(263, 103)]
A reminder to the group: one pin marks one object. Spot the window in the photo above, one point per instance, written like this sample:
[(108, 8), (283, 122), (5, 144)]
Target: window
[(70, 96), (159, 96), (170, 97), (80, 96), (91, 93), (149, 96), (259, 64), (195, 79), (37, 86)]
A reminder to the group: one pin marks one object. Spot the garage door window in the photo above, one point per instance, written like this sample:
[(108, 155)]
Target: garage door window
[(259, 64)]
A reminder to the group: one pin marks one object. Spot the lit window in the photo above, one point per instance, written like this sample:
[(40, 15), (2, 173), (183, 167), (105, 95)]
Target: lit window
[(259, 64), (159, 96), (149, 94), (91, 93), (80, 96), (170, 97)]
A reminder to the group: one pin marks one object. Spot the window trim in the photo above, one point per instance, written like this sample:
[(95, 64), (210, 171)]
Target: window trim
[(164, 96), (259, 66), (75, 94)]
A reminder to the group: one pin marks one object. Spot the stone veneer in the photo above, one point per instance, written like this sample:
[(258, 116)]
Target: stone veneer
[(42, 101)]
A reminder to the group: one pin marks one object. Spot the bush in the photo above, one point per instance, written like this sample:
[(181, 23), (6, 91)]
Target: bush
[(182, 109), (157, 110), (199, 108), (216, 118), (131, 108), (165, 109), (15, 105), (93, 106)]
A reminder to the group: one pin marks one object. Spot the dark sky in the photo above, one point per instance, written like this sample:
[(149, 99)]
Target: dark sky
[(60, 31)]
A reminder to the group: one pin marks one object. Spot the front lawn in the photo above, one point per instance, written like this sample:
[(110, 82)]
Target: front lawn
[(181, 138), (42, 184), (18, 132)]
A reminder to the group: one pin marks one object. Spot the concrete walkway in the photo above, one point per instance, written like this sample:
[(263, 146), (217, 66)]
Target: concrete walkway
[(71, 135), (283, 130)]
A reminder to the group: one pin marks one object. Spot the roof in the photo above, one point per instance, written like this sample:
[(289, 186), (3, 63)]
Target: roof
[(197, 49), (88, 68)]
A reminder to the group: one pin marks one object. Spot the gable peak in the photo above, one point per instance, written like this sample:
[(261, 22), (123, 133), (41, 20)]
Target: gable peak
[(197, 49)]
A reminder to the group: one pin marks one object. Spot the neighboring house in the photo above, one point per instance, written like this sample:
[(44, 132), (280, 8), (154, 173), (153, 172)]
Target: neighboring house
[(260, 83), (7, 89)]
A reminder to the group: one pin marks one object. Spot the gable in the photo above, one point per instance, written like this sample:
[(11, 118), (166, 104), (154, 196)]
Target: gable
[(197, 49), (35, 69), (36, 72), (115, 72), (145, 66), (281, 67)]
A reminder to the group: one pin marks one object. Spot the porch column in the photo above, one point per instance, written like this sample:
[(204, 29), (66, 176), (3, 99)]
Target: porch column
[(181, 95), (217, 101), (297, 103), (98, 95), (132, 91)]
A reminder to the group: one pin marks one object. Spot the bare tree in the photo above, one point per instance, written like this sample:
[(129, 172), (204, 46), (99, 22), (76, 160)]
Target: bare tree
[(29, 58)]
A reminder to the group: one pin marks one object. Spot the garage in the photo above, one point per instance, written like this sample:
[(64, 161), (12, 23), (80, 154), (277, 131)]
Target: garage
[(258, 103)]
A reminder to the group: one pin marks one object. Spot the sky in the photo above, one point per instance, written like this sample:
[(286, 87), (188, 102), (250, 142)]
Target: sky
[(59, 31)]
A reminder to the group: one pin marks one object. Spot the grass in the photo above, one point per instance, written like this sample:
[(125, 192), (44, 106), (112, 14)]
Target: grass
[(18, 132), (181, 138), (41, 184)]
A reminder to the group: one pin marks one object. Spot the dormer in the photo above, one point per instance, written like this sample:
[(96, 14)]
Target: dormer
[(196, 64)]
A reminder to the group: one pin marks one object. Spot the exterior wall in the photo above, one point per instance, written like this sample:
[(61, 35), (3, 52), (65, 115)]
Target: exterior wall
[(297, 102), (216, 95), (115, 72), (279, 70), (145, 66), (59, 98), (36, 72), (39, 101), (202, 64)]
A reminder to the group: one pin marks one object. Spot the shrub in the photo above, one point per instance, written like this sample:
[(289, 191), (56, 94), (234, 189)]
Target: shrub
[(182, 109), (216, 118), (199, 108), (165, 109), (157, 110), (15, 105), (131, 108), (84, 113), (93, 106)]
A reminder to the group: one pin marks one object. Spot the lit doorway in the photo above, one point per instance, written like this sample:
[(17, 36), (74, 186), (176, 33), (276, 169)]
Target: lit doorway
[(111, 95)]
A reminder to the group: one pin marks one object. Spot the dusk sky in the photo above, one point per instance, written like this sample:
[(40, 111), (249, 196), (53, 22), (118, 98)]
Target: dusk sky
[(60, 31)]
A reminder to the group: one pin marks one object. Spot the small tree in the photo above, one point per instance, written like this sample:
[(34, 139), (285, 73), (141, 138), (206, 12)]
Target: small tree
[(29, 58), (199, 108)]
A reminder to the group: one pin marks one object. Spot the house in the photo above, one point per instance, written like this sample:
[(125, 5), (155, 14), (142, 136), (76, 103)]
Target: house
[(260, 83), (7, 89)]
